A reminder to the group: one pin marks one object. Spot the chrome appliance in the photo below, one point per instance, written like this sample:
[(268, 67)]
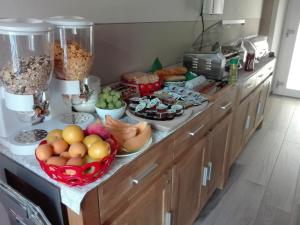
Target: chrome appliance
[(257, 45), (214, 65)]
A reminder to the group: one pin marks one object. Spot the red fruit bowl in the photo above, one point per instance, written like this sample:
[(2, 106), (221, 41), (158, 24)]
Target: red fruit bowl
[(81, 175)]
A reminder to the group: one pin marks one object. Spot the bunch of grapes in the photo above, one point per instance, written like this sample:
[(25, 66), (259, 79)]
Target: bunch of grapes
[(109, 99)]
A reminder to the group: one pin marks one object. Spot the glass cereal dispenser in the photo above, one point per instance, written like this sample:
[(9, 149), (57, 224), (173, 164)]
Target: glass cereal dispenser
[(73, 56), (26, 65)]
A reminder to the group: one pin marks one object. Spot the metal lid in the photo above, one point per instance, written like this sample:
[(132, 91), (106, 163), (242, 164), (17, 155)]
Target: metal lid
[(69, 21), (19, 26)]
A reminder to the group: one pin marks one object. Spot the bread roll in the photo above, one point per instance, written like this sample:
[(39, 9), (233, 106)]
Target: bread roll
[(172, 71), (140, 78), (175, 78)]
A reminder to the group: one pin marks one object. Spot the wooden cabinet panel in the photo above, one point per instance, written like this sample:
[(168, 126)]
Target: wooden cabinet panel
[(131, 179), (187, 175), (192, 132), (251, 115), (224, 104), (264, 93), (248, 87), (238, 131), (219, 139), (265, 72), (151, 207)]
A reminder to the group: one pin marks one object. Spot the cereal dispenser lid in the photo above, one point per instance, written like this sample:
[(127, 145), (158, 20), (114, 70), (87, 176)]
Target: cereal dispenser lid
[(18, 26), (70, 21)]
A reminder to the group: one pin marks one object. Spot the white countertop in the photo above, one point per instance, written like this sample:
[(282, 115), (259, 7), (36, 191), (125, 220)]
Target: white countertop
[(244, 75), (73, 196)]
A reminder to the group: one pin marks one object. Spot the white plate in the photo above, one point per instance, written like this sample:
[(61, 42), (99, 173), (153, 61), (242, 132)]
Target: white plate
[(126, 154)]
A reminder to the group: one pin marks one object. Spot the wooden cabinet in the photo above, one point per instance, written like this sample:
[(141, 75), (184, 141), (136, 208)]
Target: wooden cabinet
[(187, 175), (219, 139), (224, 103), (200, 171), (249, 126), (264, 93), (152, 207), (170, 183), (237, 136)]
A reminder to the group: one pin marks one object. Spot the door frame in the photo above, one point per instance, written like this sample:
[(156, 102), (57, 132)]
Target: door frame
[(287, 45)]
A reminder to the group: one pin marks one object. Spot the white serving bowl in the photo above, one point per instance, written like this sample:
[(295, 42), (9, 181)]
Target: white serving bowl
[(114, 113)]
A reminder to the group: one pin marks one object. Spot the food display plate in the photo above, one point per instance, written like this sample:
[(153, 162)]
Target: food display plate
[(123, 153), (167, 125)]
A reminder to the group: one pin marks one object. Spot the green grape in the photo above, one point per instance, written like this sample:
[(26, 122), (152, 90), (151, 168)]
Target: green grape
[(102, 105), (113, 93), (111, 106), (106, 96), (109, 98), (118, 104), (115, 99), (106, 89), (101, 96), (118, 94)]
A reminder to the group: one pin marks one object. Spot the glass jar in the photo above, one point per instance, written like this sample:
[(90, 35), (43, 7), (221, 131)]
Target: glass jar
[(26, 55), (73, 47)]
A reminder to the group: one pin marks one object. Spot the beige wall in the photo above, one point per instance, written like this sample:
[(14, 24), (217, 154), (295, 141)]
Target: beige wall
[(128, 47), (129, 34), (272, 22), (126, 11)]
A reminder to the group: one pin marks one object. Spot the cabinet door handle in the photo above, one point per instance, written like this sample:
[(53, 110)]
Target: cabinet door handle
[(258, 108), (260, 76), (204, 177), (168, 218), (249, 85), (225, 107), (247, 125), (139, 178), (209, 165), (194, 132), (18, 219)]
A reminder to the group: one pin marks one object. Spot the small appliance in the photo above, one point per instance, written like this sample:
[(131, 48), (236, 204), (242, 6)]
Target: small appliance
[(31, 102), (257, 45), (214, 65)]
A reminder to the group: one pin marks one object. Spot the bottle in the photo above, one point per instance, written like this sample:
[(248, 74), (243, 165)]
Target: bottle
[(233, 71), (249, 64)]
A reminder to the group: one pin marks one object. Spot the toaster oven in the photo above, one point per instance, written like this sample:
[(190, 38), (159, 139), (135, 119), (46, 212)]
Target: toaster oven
[(258, 45), (214, 66)]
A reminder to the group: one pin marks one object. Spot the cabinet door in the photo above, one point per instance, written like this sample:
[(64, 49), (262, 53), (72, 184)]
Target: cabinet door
[(187, 183), (264, 93), (151, 207), (238, 130), (219, 139), (251, 116)]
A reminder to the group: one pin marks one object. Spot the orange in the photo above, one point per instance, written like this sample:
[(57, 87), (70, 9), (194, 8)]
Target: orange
[(72, 134), (91, 139), (54, 135), (99, 150)]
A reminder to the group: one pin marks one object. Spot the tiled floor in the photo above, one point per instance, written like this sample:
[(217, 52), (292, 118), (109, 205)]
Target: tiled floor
[(264, 185)]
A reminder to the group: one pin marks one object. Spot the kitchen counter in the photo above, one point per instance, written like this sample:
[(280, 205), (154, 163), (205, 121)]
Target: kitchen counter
[(73, 196), (245, 75)]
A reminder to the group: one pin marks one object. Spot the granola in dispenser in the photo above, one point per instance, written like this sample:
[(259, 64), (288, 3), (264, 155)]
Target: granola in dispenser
[(72, 64), (27, 76)]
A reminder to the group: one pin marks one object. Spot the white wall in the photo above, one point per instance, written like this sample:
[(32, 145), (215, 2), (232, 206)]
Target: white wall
[(130, 33), (127, 11), (272, 22), (106, 11)]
